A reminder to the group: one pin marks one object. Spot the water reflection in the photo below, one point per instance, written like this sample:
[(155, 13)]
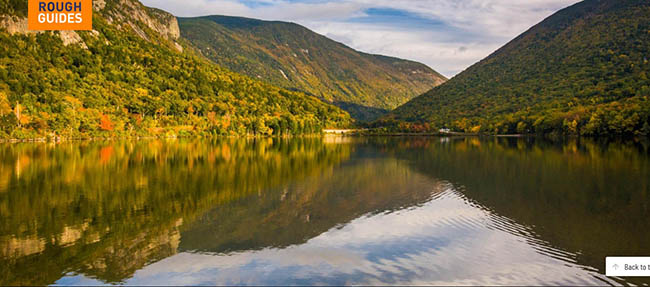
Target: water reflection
[(296, 212), (108, 209), (321, 211), (587, 197)]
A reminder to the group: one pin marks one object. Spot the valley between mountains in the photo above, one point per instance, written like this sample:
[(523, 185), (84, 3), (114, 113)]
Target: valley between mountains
[(144, 72)]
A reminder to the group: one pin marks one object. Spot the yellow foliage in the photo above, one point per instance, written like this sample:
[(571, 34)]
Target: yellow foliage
[(5, 108), (74, 102), (25, 119)]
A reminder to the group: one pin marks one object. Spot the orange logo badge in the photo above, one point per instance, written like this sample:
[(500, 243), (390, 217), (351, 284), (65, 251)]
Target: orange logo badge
[(60, 15)]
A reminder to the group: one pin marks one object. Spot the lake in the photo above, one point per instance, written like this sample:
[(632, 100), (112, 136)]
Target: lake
[(322, 211)]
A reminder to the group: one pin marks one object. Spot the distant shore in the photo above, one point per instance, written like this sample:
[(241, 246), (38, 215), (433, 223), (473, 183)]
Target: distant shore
[(326, 132), (370, 132)]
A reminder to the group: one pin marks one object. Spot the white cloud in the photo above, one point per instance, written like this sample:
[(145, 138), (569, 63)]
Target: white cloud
[(189, 8), (470, 29), (447, 241), (446, 55)]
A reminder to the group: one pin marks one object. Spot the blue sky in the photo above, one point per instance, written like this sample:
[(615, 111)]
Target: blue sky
[(447, 35)]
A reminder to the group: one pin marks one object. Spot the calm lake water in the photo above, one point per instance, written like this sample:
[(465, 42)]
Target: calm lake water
[(322, 211)]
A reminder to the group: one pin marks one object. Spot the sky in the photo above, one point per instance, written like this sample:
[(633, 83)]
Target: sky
[(447, 35)]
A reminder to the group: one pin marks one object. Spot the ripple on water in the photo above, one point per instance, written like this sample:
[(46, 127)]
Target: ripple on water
[(448, 240)]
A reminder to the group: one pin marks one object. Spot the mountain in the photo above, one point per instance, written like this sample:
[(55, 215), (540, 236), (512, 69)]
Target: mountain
[(296, 58), (583, 70), (134, 76)]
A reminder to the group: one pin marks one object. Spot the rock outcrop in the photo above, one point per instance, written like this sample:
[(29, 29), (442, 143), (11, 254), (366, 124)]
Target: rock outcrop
[(14, 25), (133, 13), (129, 12), (18, 25)]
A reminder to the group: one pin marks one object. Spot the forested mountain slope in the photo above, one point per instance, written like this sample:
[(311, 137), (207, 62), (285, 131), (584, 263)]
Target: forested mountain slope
[(583, 70), (133, 75), (294, 57)]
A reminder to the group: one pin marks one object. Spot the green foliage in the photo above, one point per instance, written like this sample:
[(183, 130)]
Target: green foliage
[(124, 85), (293, 57), (583, 71), (13, 7)]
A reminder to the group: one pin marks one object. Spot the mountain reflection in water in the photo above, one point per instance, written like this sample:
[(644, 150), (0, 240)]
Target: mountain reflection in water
[(321, 211)]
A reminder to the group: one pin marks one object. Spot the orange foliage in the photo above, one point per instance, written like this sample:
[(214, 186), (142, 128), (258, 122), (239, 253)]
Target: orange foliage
[(212, 117), (105, 154), (106, 124)]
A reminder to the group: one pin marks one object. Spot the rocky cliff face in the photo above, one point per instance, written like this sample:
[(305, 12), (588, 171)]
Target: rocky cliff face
[(164, 23), (121, 12), (140, 18), (18, 25), (14, 25), (132, 12)]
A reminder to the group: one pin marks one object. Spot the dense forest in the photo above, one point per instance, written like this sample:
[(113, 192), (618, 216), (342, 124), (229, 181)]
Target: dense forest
[(291, 56), (125, 79), (584, 70), (13, 7)]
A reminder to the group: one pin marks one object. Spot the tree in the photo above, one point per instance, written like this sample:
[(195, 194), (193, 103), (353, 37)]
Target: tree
[(18, 112), (522, 128), (106, 124), (572, 127), (7, 118), (5, 107), (142, 87), (645, 130)]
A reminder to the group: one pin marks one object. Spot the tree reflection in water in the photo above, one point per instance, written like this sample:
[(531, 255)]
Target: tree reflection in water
[(105, 210)]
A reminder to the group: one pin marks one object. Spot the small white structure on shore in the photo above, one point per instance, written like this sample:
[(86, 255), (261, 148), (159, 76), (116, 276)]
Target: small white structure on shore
[(338, 131), (445, 131)]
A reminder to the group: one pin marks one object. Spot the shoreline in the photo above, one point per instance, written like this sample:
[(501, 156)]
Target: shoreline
[(63, 139), (347, 134)]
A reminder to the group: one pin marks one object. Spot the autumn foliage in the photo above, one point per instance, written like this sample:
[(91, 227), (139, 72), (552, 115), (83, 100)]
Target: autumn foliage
[(106, 124)]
